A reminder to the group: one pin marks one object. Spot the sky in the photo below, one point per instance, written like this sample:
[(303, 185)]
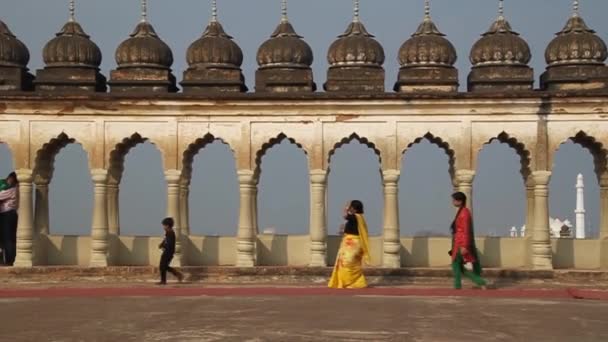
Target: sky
[(283, 203)]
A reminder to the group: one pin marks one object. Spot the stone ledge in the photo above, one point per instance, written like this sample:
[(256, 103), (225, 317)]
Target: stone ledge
[(268, 274)]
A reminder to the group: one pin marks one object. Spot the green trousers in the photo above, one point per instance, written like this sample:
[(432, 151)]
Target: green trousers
[(459, 271)]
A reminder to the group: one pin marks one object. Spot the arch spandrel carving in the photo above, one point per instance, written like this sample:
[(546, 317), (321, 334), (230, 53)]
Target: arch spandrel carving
[(527, 161), (362, 140), (560, 132), (259, 153), (195, 148), (301, 134), (590, 143), (443, 145), (41, 133), (444, 134), (44, 161), (160, 134), (117, 155)]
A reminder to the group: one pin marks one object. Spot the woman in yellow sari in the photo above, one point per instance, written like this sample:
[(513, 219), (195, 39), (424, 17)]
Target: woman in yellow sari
[(354, 250)]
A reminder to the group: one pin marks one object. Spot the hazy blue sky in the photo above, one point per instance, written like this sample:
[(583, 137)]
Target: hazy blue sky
[(284, 198)]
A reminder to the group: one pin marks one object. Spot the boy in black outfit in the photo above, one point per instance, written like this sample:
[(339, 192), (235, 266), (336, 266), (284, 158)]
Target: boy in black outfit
[(168, 247)]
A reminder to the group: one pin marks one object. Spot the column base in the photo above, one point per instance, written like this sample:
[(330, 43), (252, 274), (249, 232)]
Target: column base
[(542, 263), (99, 261), (21, 262), (391, 260), (318, 260), (245, 261)]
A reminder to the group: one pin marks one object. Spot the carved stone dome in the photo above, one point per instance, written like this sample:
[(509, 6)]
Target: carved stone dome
[(71, 47), (215, 48), (13, 53), (285, 49), (144, 49), (427, 47), (500, 45), (356, 47), (576, 44)]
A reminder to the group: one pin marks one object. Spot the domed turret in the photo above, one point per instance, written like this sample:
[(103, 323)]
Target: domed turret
[(14, 57), (355, 60), (214, 61), (500, 59), (575, 58), (427, 60), (71, 61), (144, 61), (284, 61)]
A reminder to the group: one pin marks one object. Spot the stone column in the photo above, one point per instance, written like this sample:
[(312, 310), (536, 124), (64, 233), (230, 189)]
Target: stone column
[(25, 226), (391, 257), (541, 238), (113, 208), (41, 209), (184, 208), (464, 184), (318, 221), (604, 206), (530, 206), (173, 177), (245, 243), (99, 231)]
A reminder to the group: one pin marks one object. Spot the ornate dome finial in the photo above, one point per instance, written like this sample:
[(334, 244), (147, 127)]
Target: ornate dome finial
[(501, 9), (575, 9), (213, 11), (214, 61), (284, 11), (284, 60), (144, 11), (143, 53), (71, 60), (427, 9), (14, 57), (500, 59), (575, 57), (352, 55), (72, 11)]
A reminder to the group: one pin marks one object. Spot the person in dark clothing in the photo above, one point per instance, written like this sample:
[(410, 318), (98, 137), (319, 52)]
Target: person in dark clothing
[(168, 247), (9, 204)]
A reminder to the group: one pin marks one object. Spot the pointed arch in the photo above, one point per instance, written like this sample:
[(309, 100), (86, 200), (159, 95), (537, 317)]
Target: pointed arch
[(519, 148), (193, 149), (268, 145), (117, 156), (361, 140), (45, 157), (443, 145), (595, 147)]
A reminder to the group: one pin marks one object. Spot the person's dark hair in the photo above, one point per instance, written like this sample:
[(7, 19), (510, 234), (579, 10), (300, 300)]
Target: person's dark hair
[(13, 175), (168, 221), (357, 206), (459, 196)]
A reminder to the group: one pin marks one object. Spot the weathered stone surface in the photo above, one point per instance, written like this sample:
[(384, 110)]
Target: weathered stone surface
[(501, 79), (355, 79), (284, 80), (427, 80)]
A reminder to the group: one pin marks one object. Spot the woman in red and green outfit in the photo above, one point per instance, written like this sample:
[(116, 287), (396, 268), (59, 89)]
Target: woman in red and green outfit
[(464, 251)]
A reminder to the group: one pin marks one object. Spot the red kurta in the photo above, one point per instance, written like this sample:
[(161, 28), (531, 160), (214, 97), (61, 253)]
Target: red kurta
[(462, 235)]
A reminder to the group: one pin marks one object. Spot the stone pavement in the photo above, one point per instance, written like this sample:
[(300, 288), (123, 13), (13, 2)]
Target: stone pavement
[(240, 314)]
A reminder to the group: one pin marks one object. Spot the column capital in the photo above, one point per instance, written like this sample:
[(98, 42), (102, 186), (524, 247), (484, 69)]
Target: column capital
[(465, 176), (99, 176), (173, 176), (246, 177), (318, 176), (541, 178), (25, 175), (391, 176)]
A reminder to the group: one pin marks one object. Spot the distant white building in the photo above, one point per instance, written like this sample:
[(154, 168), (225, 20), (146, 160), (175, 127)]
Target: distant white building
[(564, 229)]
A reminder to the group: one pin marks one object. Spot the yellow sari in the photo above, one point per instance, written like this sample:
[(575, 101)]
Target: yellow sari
[(354, 250)]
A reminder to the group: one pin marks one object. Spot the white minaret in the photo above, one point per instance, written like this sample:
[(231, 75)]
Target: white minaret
[(580, 207)]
